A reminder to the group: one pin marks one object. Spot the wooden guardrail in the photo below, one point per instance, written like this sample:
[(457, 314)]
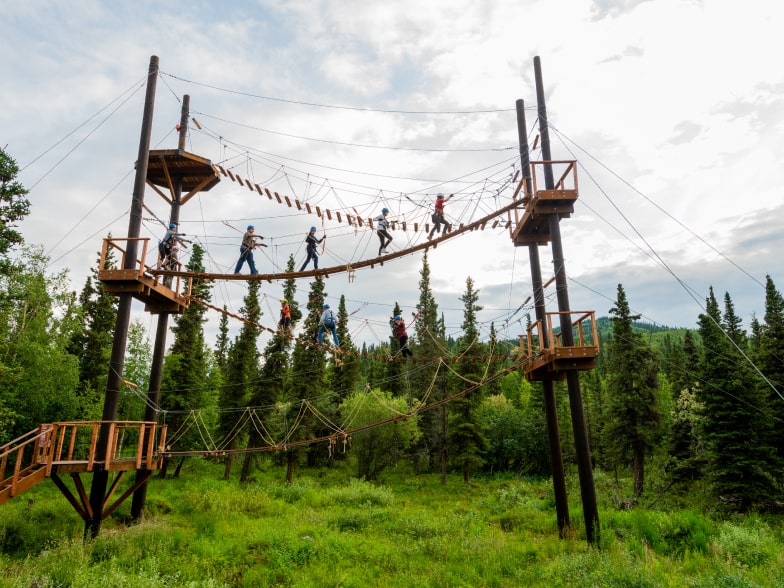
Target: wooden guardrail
[(72, 447)]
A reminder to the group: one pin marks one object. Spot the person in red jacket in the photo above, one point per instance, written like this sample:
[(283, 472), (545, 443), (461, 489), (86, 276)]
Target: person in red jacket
[(402, 336), (438, 216)]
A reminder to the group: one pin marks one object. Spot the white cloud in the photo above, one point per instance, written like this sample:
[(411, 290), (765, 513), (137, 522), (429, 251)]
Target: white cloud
[(670, 99)]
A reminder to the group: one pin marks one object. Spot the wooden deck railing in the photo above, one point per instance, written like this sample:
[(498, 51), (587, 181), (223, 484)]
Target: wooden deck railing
[(583, 332), (72, 447)]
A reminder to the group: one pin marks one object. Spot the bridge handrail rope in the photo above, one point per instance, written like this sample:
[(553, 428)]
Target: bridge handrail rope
[(335, 350), (264, 434), (235, 430), (372, 262), (346, 433), (355, 220)]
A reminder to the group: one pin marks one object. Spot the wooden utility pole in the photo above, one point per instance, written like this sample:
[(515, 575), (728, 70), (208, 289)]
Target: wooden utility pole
[(114, 382), (548, 387), (159, 348), (585, 471)]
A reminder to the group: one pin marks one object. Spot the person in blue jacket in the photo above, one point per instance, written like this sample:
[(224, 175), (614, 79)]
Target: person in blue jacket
[(328, 321)]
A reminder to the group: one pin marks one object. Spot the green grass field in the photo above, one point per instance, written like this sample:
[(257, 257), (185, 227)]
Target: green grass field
[(329, 529)]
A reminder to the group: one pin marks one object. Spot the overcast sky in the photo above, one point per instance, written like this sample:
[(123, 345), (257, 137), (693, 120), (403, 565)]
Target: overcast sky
[(673, 110)]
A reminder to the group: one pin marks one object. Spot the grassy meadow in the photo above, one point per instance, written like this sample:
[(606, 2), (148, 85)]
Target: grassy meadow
[(330, 529)]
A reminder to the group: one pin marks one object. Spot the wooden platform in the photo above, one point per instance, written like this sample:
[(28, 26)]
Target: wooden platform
[(70, 448), (197, 174), (553, 360), (170, 294), (531, 224)]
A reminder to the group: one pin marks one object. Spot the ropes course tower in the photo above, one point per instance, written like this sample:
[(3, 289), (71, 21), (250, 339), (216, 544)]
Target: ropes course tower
[(554, 353), (556, 347)]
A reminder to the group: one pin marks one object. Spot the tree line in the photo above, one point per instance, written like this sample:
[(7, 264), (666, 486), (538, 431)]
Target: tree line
[(682, 405)]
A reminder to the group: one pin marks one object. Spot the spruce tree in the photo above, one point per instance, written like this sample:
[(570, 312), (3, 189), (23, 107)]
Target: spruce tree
[(241, 371), (222, 341), (185, 374), (632, 412), (267, 389), (393, 378), (93, 344), (770, 361), (306, 383), (14, 207), (734, 424), (428, 382), (465, 432), (344, 374)]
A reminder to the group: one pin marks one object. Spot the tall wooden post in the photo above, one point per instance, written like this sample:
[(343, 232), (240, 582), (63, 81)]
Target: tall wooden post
[(583, 452), (550, 409), (114, 382), (159, 349)]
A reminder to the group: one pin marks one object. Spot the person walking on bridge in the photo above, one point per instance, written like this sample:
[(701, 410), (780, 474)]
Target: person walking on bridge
[(249, 243), (312, 243), (382, 224), (328, 321), (438, 216)]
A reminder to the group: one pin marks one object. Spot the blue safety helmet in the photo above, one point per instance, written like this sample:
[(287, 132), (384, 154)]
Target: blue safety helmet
[(398, 318), (251, 227), (326, 306), (384, 210), (172, 225), (312, 229), (440, 195)]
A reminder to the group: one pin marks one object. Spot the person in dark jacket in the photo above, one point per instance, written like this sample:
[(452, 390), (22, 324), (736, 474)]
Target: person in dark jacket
[(311, 242)]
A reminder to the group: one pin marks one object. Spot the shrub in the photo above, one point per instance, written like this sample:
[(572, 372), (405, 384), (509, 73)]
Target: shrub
[(750, 543)]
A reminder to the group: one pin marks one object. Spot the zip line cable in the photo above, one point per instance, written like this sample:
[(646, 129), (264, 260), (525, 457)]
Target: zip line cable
[(346, 144), (137, 85), (662, 210), (87, 136), (242, 149), (356, 108), (690, 291)]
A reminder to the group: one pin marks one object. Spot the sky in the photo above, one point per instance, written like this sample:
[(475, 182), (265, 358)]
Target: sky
[(673, 110)]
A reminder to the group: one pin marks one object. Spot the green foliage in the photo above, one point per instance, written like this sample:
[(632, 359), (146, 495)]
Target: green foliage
[(14, 206), (382, 446), (678, 533), (750, 542), (631, 410), (92, 344), (329, 529), (38, 375), (136, 374), (505, 430), (430, 452), (241, 370), (344, 374), (735, 428), (466, 436)]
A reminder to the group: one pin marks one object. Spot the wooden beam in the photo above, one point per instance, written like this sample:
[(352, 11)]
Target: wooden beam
[(158, 190), (195, 191)]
